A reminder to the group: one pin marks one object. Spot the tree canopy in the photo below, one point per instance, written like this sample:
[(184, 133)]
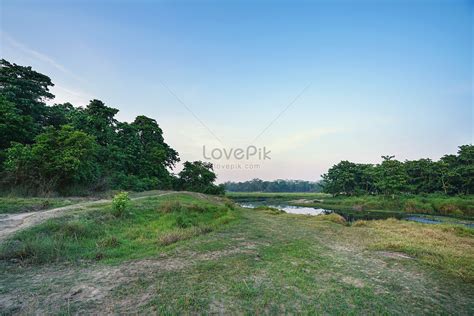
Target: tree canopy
[(72, 150), (258, 185), (452, 174)]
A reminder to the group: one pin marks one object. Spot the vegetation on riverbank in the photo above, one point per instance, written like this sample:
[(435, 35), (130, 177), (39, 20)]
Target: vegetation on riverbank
[(434, 204), (258, 185), (459, 206), (276, 195)]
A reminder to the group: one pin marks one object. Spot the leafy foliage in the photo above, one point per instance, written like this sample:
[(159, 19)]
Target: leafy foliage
[(258, 185), (68, 150), (452, 174), (119, 203), (199, 176)]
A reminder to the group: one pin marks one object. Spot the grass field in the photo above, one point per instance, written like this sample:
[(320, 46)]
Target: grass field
[(99, 235), (248, 262)]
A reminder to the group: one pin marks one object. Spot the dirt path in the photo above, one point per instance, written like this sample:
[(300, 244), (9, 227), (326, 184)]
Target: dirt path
[(11, 223)]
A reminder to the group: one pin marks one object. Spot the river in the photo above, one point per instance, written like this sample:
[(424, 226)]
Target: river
[(358, 215)]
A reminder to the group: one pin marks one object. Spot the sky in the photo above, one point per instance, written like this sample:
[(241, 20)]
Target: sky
[(313, 82)]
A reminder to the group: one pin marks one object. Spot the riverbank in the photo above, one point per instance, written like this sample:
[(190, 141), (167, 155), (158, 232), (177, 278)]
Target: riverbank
[(378, 206)]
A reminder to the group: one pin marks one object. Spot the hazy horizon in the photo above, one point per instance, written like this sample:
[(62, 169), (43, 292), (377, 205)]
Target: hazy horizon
[(319, 82)]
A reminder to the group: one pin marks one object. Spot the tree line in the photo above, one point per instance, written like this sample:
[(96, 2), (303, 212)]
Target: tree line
[(452, 174), (258, 185), (71, 150)]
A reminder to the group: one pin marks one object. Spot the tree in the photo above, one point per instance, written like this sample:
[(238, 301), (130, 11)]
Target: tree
[(279, 185), (58, 160), (466, 168), (390, 176), (14, 127), (42, 146), (199, 176), (423, 176), (97, 120), (59, 114), (25, 88), (341, 178)]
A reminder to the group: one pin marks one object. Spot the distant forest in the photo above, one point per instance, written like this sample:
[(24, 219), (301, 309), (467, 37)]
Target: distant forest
[(73, 150), (257, 185), (452, 174)]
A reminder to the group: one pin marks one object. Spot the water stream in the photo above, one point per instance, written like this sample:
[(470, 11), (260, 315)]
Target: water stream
[(356, 215)]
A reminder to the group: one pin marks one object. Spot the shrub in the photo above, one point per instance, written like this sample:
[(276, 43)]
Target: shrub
[(120, 203), (450, 209), (417, 206)]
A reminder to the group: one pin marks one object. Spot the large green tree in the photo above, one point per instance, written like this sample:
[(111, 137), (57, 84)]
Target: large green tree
[(58, 160), (391, 177), (25, 88), (199, 176), (14, 127)]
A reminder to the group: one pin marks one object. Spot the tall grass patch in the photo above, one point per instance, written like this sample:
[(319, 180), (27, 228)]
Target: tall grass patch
[(99, 234), (446, 247)]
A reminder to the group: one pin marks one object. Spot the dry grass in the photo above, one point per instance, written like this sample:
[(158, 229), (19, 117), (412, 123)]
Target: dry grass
[(178, 234), (333, 217), (360, 223), (445, 247)]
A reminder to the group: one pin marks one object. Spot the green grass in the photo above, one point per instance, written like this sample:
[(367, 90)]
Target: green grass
[(10, 205), (262, 262), (99, 235)]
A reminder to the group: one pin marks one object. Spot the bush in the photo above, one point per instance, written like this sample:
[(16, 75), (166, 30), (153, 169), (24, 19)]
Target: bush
[(120, 203), (416, 206)]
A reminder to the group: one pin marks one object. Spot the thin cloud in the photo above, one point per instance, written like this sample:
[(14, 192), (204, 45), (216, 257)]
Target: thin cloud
[(63, 95), (39, 56)]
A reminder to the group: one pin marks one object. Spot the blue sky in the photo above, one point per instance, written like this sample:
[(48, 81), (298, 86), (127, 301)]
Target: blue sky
[(369, 77)]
